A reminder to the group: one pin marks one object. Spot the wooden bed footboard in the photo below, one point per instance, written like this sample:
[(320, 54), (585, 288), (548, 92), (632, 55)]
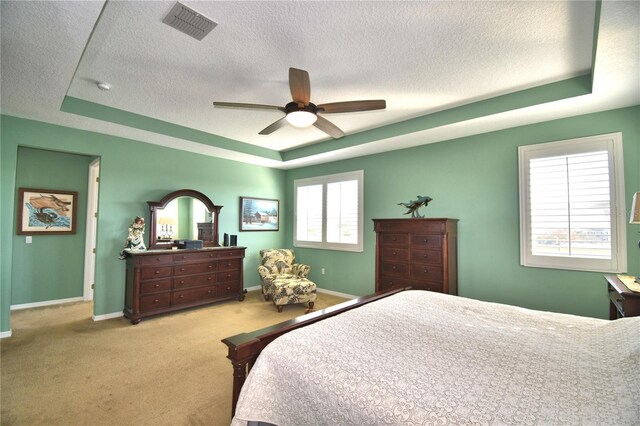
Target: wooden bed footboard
[(244, 348)]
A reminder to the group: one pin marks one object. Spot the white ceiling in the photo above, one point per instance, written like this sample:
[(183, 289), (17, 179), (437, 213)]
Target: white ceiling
[(421, 57)]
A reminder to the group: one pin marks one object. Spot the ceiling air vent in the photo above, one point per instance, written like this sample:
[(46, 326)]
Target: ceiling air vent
[(189, 21)]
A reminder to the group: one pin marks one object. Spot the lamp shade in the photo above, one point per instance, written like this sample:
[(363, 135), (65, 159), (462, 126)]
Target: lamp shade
[(635, 209), (301, 118)]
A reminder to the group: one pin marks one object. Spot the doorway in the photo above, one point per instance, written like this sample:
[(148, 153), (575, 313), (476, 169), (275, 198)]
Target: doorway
[(91, 230)]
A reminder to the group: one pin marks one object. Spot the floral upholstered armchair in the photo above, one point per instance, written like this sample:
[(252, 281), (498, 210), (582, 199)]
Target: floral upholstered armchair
[(278, 263), (283, 281)]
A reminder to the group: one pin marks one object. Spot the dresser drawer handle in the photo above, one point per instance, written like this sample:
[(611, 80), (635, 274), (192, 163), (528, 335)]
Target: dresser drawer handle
[(228, 288), (156, 301), (426, 271), (394, 268), (157, 272), (209, 278), (395, 253), (208, 291), (182, 296), (156, 285), (425, 240), (181, 282), (210, 254), (210, 266), (158, 259), (181, 269)]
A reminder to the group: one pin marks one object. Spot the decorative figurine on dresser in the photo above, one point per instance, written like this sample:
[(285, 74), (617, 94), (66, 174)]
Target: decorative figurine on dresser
[(167, 279), (135, 240), (417, 252)]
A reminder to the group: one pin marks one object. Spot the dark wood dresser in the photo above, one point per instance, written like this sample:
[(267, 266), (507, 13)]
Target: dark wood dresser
[(622, 301), (421, 253), (160, 281)]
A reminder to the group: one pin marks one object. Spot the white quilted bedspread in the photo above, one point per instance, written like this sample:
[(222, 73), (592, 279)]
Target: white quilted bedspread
[(423, 358)]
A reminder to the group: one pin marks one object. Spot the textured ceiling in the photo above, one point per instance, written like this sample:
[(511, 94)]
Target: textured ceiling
[(426, 59)]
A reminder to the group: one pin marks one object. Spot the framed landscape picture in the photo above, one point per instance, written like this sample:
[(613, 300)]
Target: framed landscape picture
[(259, 214), (46, 211)]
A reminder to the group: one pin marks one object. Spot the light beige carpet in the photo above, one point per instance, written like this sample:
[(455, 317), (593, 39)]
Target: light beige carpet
[(61, 368)]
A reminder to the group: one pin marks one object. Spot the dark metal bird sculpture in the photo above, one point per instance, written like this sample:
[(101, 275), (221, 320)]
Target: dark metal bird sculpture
[(414, 205)]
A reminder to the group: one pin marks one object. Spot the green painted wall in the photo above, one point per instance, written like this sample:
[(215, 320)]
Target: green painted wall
[(47, 269), (475, 180), (131, 173)]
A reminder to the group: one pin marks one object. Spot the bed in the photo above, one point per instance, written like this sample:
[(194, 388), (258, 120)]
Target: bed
[(418, 357)]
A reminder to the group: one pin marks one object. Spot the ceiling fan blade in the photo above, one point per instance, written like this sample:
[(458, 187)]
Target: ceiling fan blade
[(246, 106), (328, 127), (300, 86), (352, 106), (273, 127)]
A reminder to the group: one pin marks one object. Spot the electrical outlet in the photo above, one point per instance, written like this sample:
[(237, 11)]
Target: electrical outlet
[(28, 239), (322, 271)]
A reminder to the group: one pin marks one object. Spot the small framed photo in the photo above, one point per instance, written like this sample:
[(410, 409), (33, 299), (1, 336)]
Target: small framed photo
[(46, 211), (259, 214)]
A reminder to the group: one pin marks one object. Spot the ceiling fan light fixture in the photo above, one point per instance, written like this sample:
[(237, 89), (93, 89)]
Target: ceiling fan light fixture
[(301, 119)]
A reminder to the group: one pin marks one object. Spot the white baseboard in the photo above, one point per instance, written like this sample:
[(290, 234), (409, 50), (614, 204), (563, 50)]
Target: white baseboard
[(4, 334), (107, 316), (255, 287), (46, 303), (336, 293)]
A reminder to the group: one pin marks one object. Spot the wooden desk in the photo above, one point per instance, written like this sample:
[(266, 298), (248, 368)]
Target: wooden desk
[(622, 301)]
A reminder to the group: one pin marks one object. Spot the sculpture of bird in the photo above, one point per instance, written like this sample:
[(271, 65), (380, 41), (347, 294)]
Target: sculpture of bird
[(414, 205)]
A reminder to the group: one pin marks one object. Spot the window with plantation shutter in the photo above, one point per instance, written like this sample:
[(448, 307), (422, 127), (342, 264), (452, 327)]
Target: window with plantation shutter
[(328, 211), (572, 204)]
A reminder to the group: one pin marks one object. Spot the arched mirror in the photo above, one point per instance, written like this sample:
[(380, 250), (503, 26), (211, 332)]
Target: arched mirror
[(183, 215)]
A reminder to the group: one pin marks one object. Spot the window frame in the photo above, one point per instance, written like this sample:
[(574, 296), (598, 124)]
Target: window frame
[(612, 143), (357, 175)]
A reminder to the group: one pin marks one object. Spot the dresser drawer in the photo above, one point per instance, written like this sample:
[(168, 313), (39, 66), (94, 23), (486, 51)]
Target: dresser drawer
[(395, 254), (229, 264), (425, 240), (149, 273), (228, 289), (230, 253), (426, 285), (228, 276), (155, 286), (193, 281), (155, 260), (386, 282), (155, 301), (195, 257), (194, 268), (394, 268), (391, 239), (426, 272), (432, 257), (193, 295)]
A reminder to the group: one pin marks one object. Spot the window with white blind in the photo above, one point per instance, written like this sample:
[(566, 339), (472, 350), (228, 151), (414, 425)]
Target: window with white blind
[(328, 211), (572, 212)]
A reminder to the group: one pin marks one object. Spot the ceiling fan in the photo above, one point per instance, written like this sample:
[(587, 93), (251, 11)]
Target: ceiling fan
[(303, 113)]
